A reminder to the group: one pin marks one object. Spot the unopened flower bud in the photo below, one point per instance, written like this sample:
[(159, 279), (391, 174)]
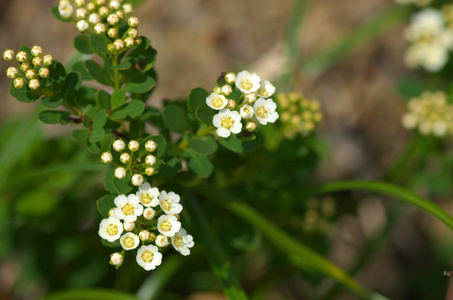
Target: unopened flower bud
[(8, 55), (152, 236), (250, 98), (129, 226), (116, 259), (112, 212), (120, 172), (113, 19), (125, 158), (30, 74), (129, 42), (94, 19), (79, 3), (227, 89), (91, 6), (138, 41), (230, 77), (82, 25), (217, 90), (99, 28), (48, 59), (81, 13), (120, 14), (112, 33), (133, 145), (246, 112), (118, 44), (119, 145), (137, 179), (19, 83), (149, 213), (110, 48), (37, 61), (24, 67), (99, 2), (150, 160), (133, 22), (106, 157), (143, 235), (250, 126), (36, 50), (34, 84), (114, 4), (133, 33), (150, 146), (103, 11), (44, 72), (21, 56), (231, 104), (65, 9), (162, 241), (149, 171), (127, 8), (12, 72)]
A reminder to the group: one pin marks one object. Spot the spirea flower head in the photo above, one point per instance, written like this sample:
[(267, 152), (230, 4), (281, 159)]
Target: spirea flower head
[(119, 145), (110, 229), (227, 122), (129, 241), (265, 111), (127, 208), (182, 241), (247, 82), (148, 196), (266, 89), (170, 202), (149, 257), (216, 101), (168, 225)]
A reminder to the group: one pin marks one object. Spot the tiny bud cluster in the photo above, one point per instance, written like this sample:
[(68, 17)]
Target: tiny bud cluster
[(136, 226)]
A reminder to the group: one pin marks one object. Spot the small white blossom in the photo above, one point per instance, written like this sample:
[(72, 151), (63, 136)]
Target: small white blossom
[(132, 32), (168, 225), (129, 226), (114, 4), (30, 74), (227, 89), (81, 13), (120, 14), (148, 196), (116, 259), (36, 50), (230, 77), (170, 202), (103, 11), (265, 111), (94, 19), (99, 28), (91, 6), (137, 179), (266, 89), (125, 158), (120, 172), (112, 33), (21, 56), (19, 83), (150, 146), (144, 235), (106, 157), (227, 122), (12, 72), (129, 42), (127, 208), (246, 112), (79, 3), (182, 241), (24, 67), (65, 9), (250, 126), (127, 8), (119, 145), (133, 22), (149, 213), (150, 160), (247, 83), (37, 61), (8, 55), (48, 59), (149, 171), (110, 229), (162, 241), (250, 98), (113, 19), (82, 25), (118, 44), (129, 241), (44, 72), (133, 145), (34, 84), (149, 257), (216, 101)]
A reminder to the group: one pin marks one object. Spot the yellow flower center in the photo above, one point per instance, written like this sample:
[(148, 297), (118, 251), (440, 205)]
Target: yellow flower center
[(179, 241), (217, 102), (262, 112), (147, 256), (129, 242), (227, 122), (246, 84), (112, 230), (146, 198), (166, 204), (263, 92), (165, 226), (128, 209)]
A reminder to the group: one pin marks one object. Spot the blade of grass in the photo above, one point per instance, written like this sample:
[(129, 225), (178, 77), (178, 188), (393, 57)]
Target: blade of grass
[(90, 294), (214, 251), (359, 36)]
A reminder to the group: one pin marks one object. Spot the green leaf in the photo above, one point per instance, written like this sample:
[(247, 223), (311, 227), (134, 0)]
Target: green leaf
[(90, 294), (118, 186), (103, 99), (201, 165), (140, 85), (72, 84), (105, 204), (98, 73), (215, 253), (51, 102), (94, 148), (80, 135), (176, 118), (36, 203), (53, 116), (235, 144), (79, 67), (172, 167), (96, 135), (100, 119), (57, 73), (197, 97), (24, 94), (205, 114), (56, 13), (99, 44), (123, 66), (118, 99), (203, 145), (132, 109), (82, 44)]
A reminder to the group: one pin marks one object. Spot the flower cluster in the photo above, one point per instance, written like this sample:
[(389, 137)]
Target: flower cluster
[(132, 159), (430, 114), (419, 3), (242, 97), (430, 40), (101, 18), (30, 68), (298, 114), (149, 216)]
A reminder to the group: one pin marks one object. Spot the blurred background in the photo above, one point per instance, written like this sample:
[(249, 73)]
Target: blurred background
[(196, 40)]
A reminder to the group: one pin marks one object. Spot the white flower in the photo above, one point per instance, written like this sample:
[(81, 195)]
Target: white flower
[(250, 98), (133, 22), (137, 179), (266, 89), (182, 242), (30, 74), (81, 13), (94, 19), (168, 225), (149, 257), (246, 112), (133, 144), (129, 241), (129, 226), (247, 83), (116, 259), (162, 241), (170, 202), (127, 208), (82, 25), (12, 72), (216, 101), (144, 235), (150, 160), (150, 146), (21, 56), (230, 77), (37, 61), (34, 84), (149, 213), (113, 19), (106, 157), (120, 172), (47, 59), (110, 229), (104, 11), (119, 145), (65, 9), (36, 50), (226, 89), (18, 83), (227, 121), (125, 158), (148, 196), (119, 44), (8, 55), (149, 171), (114, 4), (127, 8), (129, 42), (265, 111), (44, 72)]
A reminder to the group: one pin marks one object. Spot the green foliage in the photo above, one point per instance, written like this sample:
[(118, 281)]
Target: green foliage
[(82, 44)]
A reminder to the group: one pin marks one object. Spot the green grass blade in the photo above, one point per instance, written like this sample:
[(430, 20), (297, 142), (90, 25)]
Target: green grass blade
[(391, 190), (214, 251), (361, 35), (90, 294)]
